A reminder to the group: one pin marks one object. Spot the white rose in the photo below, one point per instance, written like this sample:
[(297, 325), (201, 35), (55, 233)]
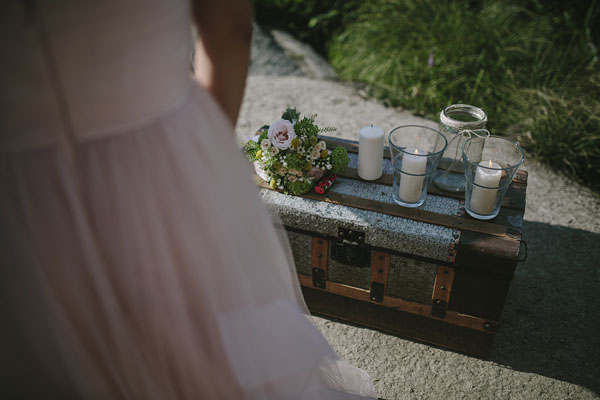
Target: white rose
[(274, 151), (315, 153), (281, 133), (315, 173), (292, 178), (265, 144), (322, 145)]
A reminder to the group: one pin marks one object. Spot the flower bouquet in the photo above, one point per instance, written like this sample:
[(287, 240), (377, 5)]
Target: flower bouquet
[(289, 156)]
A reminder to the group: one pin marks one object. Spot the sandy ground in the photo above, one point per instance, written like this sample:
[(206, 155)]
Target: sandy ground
[(549, 343)]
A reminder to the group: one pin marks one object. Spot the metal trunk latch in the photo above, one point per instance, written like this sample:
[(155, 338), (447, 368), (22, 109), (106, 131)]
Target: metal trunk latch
[(351, 248), (438, 308)]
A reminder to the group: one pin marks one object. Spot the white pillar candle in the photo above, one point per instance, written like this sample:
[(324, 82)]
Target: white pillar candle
[(411, 186), (482, 198), (370, 153)]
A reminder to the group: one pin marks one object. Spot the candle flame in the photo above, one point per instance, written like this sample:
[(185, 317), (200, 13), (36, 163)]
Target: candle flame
[(490, 163), (417, 151)]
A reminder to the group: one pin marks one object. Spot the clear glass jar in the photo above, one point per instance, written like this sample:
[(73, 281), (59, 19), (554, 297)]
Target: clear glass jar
[(415, 151), (458, 122), (490, 165)]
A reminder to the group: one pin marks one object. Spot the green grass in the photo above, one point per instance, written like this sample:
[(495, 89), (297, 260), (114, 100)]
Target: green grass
[(562, 127), (530, 65)]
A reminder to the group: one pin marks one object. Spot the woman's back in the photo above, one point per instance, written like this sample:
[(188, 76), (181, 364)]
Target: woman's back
[(138, 261), (98, 67)]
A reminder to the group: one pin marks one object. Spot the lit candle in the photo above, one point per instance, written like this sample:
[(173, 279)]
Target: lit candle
[(482, 198), (370, 153), (411, 186)]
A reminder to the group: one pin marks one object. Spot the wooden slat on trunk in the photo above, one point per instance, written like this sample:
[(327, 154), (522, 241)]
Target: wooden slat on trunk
[(320, 261), (399, 322), (443, 284), (452, 317), (487, 253), (380, 267)]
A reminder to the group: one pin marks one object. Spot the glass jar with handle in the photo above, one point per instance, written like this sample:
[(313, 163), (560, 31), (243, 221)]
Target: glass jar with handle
[(458, 122)]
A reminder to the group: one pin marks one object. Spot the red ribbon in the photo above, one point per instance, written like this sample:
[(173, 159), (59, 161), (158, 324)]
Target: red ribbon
[(325, 184)]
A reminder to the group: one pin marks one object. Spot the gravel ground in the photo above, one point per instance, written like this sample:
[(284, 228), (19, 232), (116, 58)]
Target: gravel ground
[(548, 346)]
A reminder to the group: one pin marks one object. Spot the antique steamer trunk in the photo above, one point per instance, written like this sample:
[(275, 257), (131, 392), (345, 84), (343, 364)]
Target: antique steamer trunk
[(433, 274)]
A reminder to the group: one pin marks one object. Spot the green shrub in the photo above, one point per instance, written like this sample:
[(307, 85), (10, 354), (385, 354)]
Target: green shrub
[(312, 21)]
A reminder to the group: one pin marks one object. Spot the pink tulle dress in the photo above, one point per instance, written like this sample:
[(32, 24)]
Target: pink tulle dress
[(138, 261)]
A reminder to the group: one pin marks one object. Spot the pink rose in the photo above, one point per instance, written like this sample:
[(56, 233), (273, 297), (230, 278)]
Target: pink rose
[(281, 133)]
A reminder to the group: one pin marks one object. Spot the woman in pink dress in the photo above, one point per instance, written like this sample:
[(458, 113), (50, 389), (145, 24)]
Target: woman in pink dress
[(137, 259)]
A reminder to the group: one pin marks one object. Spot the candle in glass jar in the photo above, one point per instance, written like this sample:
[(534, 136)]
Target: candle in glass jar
[(412, 175), (484, 198), (370, 153)]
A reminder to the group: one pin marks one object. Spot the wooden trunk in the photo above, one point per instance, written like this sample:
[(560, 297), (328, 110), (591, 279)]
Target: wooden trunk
[(433, 274)]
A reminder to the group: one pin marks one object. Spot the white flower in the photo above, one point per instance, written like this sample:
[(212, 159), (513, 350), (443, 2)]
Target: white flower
[(265, 144), (281, 133), (274, 151), (315, 173), (284, 164), (292, 178), (315, 153), (322, 145)]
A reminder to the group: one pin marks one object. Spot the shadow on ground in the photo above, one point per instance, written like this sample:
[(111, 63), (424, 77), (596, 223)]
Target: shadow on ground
[(550, 322)]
